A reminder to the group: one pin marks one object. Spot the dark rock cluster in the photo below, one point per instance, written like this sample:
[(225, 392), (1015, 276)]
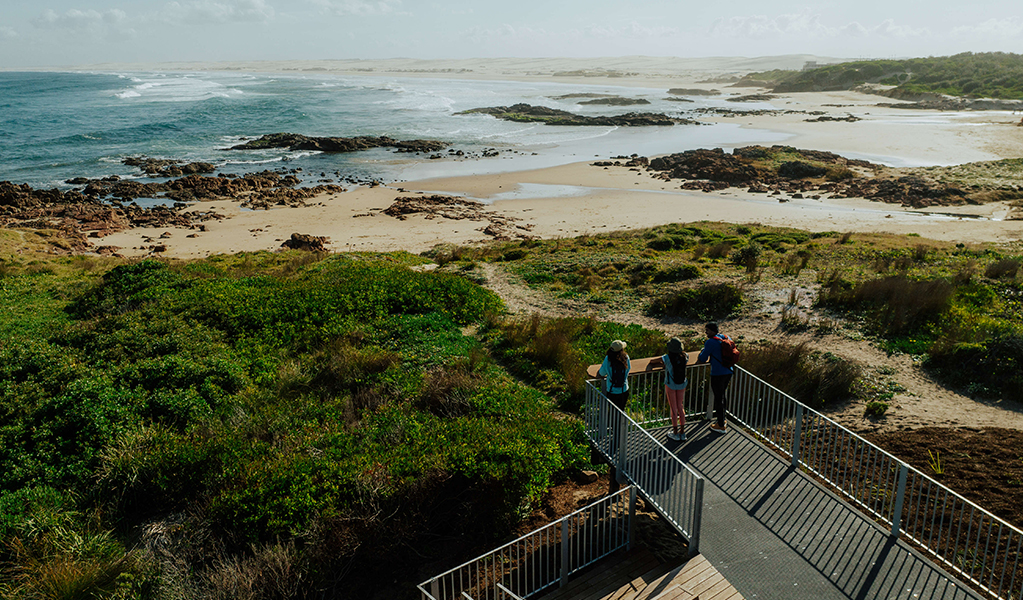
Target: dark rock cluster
[(295, 141), (76, 216), (711, 170), (616, 101), (160, 167), (552, 116), (309, 243)]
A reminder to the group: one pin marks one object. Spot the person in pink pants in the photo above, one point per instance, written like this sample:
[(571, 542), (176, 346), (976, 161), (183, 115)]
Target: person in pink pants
[(675, 383)]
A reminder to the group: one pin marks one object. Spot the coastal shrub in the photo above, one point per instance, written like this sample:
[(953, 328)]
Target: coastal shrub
[(553, 354), (992, 367), (747, 256), (875, 409), (894, 305), (677, 273), (719, 250), (706, 303), (811, 377), (839, 173), (263, 402), (1003, 268)]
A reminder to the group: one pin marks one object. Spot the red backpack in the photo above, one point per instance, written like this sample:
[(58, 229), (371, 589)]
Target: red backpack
[(729, 353)]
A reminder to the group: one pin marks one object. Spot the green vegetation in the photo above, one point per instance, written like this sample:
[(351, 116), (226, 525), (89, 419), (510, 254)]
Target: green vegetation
[(288, 422), (969, 329), (264, 420), (979, 75)]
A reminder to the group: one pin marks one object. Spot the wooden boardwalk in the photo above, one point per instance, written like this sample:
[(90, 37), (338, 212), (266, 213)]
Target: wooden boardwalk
[(638, 575)]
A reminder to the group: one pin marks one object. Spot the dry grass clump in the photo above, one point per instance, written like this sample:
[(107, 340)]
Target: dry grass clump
[(810, 377), (897, 304), (1004, 268)]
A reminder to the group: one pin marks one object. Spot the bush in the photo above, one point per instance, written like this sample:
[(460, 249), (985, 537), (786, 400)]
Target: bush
[(677, 273), (706, 303), (989, 368), (1006, 267), (810, 377), (894, 305), (747, 256)]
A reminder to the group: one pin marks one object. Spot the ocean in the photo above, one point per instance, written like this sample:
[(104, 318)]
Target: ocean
[(58, 125)]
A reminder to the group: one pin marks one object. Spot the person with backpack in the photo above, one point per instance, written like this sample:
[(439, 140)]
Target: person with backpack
[(615, 371), (720, 350), (675, 383)]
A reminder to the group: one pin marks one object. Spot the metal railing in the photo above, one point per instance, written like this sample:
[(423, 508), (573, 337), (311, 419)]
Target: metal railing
[(648, 404), (542, 558), (671, 486), (969, 540)]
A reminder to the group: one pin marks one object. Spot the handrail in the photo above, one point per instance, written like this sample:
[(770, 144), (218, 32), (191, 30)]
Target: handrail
[(670, 485), (541, 558)]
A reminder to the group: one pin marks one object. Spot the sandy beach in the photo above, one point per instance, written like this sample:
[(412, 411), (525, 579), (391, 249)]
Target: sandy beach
[(577, 199)]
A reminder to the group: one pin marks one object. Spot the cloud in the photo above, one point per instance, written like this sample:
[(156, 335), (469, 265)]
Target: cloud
[(207, 11), (6, 33), (109, 25), (992, 29), (806, 25), (361, 8), (80, 20)]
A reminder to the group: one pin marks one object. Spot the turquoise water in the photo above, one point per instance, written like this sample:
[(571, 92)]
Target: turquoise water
[(55, 126)]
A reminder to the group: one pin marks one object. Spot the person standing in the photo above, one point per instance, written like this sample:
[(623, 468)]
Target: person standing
[(720, 373), (615, 371), (675, 383)]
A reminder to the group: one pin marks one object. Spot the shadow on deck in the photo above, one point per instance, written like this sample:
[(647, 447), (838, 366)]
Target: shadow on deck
[(776, 533)]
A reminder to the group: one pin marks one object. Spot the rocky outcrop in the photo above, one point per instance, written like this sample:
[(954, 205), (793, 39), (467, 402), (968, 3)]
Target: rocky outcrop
[(752, 98), (295, 141), (908, 191), (156, 167), (713, 165), (255, 190), (77, 217), (616, 101), (825, 118), (710, 170), (309, 243), (499, 227), (693, 92), (528, 113)]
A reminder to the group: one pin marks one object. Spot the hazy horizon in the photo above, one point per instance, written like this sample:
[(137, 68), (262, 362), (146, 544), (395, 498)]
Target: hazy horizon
[(70, 32)]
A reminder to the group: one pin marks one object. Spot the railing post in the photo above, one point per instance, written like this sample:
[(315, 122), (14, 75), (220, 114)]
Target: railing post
[(565, 552), (694, 539), (900, 498), (632, 517), (435, 589), (623, 453), (796, 434)]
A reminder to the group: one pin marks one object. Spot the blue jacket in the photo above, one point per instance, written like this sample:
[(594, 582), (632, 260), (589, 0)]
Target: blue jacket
[(712, 352), (605, 372)]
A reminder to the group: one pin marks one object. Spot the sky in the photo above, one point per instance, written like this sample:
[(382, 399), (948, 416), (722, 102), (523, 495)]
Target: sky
[(54, 33)]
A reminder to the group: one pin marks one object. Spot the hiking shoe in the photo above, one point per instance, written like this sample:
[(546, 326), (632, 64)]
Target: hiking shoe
[(718, 429), (674, 437), (681, 437)]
